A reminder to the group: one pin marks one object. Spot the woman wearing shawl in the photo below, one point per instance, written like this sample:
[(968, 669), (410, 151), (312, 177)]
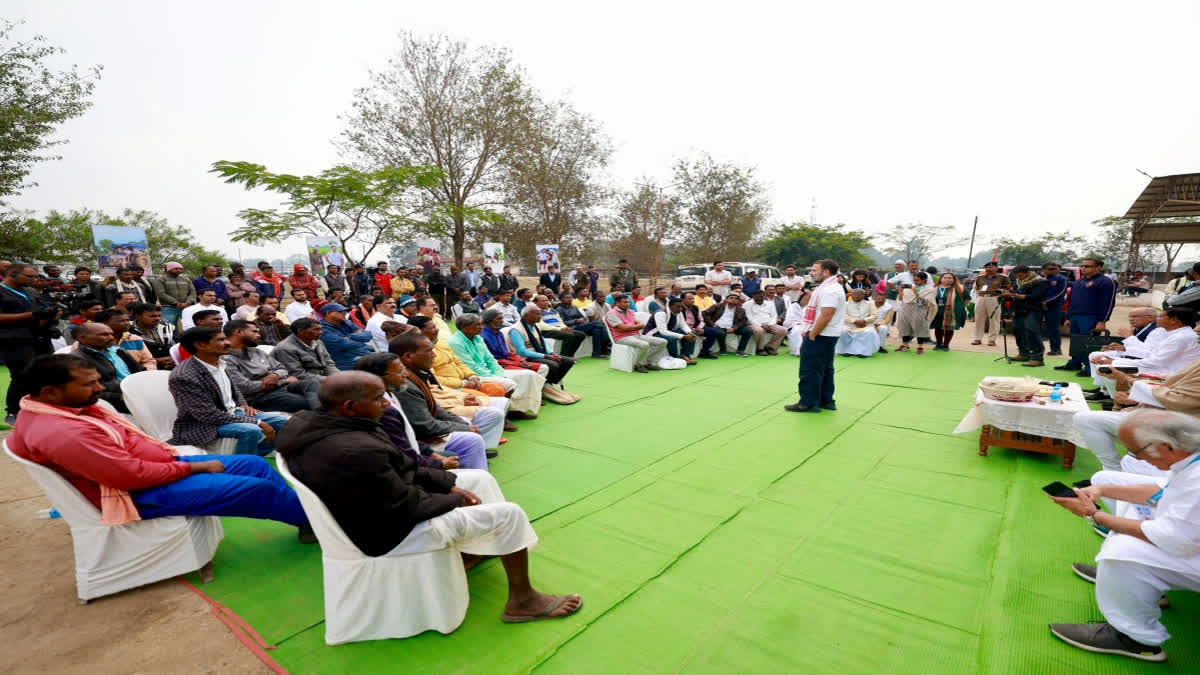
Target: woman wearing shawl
[(951, 310), (916, 305), (301, 279)]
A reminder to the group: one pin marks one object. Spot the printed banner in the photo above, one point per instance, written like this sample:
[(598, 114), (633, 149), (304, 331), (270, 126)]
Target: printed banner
[(493, 256), (119, 246), (429, 252), (547, 255), (323, 252)]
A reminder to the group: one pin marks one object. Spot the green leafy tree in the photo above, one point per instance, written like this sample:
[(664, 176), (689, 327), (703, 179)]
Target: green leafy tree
[(440, 103), (65, 238), (636, 225), (722, 206), (1061, 248), (917, 241), (801, 244), (1111, 244), (367, 208), (35, 100)]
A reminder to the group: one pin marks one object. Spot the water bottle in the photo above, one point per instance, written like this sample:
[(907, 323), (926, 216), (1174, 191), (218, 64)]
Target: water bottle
[(1056, 395), (46, 514)]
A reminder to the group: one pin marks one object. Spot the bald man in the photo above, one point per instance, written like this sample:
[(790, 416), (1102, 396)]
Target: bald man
[(387, 505)]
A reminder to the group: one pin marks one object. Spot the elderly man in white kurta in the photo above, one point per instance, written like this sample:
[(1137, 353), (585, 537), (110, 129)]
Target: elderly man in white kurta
[(884, 311), (859, 338), (768, 334), (1154, 540), (1145, 336), (1176, 350)]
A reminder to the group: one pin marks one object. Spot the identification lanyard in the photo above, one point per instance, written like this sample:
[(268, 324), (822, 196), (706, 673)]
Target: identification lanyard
[(1153, 501), (19, 293)]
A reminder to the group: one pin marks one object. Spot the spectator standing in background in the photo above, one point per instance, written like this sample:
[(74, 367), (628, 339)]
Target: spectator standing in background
[(1056, 291), (1093, 297)]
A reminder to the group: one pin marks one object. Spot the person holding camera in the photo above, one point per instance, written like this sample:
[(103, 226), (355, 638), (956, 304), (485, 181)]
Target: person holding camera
[(26, 319), (1028, 311)]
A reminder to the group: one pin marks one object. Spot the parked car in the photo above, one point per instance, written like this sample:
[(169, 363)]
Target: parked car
[(690, 276)]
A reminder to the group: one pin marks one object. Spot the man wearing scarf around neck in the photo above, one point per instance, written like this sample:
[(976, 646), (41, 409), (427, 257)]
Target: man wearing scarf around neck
[(1028, 312)]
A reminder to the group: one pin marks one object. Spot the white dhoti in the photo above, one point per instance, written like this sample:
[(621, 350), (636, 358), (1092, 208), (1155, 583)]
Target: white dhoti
[(882, 330), (526, 395), (495, 527), (862, 343), (1131, 574), (795, 339)]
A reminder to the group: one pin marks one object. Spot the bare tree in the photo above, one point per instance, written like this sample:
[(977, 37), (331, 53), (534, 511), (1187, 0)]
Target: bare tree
[(636, 224), (440, 103), (553, 183), (918, 241)]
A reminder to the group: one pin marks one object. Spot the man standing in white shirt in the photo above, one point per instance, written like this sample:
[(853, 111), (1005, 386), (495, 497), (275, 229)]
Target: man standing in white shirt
[(821, 325), (207, 299), (718, 279), (300, 307), (793, 285), (768, 334), (386, 311), (1153, 543)]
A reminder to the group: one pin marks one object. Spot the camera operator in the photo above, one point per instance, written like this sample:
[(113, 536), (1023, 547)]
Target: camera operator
[(83, 283), (25, 323), (1026, 301)]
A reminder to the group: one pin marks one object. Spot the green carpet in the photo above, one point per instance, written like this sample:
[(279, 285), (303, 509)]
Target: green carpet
[(727, 535)]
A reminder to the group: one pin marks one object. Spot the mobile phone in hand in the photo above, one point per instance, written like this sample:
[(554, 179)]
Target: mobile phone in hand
[(1104, 370), (1058, 489)]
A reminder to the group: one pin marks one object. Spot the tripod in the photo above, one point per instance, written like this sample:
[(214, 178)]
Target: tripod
[(1003, 333)]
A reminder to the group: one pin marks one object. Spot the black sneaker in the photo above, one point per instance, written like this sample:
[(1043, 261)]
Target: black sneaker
[(1102, 638), (1065, 367), (1085, 572), (707, 355), (829, 406), (799, 407), (1054, 352), (651, 366), (491, 453), (640, 369), (305, 534), (743, 355), (882, 350)]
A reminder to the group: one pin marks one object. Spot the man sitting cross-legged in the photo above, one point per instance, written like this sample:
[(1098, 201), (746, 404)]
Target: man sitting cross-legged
[(386, 504), (724, 319), (1153, 544), (427, 411), (262, 380), (627, 330), (460, 449), (210, 407), (141, 477)]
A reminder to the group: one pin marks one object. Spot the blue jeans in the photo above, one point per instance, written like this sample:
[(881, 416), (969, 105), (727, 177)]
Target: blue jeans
[(673, 346), (816, 370), (248, 434), (1081, 324), (249, 488), (1053, 331), (171, 315)]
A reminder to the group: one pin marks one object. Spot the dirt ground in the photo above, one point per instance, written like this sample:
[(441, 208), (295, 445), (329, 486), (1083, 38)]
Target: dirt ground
[(161, 628)]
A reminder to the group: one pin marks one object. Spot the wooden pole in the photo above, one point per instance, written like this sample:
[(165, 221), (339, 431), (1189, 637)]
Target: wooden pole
[(971, 250)]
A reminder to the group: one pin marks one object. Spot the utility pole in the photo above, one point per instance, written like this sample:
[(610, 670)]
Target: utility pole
[(812, 213), (658, 232), (971, 250)]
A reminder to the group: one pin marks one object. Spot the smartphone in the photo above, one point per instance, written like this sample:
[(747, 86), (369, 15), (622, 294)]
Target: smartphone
[(1104, 370), (1082, 483), (1130, 370), (1058, 489)]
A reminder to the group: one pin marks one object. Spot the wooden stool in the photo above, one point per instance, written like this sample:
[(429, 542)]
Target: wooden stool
[(990, 435)]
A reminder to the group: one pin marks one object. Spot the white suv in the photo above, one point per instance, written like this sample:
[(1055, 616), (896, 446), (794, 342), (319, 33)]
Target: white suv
[(690, 276)]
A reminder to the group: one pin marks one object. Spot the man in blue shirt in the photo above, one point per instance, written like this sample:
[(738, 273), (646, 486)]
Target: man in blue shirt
[(342, 339), (1057, 284), (751, 283), (1093, 297)]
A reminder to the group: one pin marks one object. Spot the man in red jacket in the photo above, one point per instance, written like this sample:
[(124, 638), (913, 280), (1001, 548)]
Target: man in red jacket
[(61, 426)]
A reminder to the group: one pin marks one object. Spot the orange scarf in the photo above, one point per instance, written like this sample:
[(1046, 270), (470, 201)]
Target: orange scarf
[(116, 506)]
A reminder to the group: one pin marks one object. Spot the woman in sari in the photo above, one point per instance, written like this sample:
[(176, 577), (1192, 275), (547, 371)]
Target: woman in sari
[(915, 308), (951, 310)]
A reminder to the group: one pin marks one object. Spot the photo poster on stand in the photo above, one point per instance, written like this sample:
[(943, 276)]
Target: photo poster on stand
[(429, 252), (323, 252), (547, 255), (493, 256), (120, 246)]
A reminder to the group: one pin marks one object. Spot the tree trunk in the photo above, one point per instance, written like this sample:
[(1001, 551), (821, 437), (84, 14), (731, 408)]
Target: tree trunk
[(460, 236)]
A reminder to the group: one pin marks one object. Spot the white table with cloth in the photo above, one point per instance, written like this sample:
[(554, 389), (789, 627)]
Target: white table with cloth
[(1038, 425)]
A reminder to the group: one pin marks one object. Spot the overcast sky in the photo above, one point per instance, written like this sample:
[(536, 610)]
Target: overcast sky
[(1034, 115)]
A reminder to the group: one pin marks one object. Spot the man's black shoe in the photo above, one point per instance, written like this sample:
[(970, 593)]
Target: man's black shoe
[(651, 366), (1094, 390), (1065, 367), (797, 407), (1055, 352), (707, 355), (1102, 638), (640, 369), (1102, 396), (491, 453), (1082, 373), (305, 535), (832, 405)]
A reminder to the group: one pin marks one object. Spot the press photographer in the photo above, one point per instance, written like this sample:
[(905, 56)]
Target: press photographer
[(26, 320), (1028, 312)]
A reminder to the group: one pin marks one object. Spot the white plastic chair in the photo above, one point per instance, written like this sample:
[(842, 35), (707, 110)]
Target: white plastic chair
[(623, 356), (153, 408), (393, 596), (113, 558), (456, 311)]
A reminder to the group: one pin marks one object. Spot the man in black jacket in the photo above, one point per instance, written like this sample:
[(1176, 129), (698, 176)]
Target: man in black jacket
[(508, 281), (98, 346), (1027, 300), (387, 505), (551, 279)]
